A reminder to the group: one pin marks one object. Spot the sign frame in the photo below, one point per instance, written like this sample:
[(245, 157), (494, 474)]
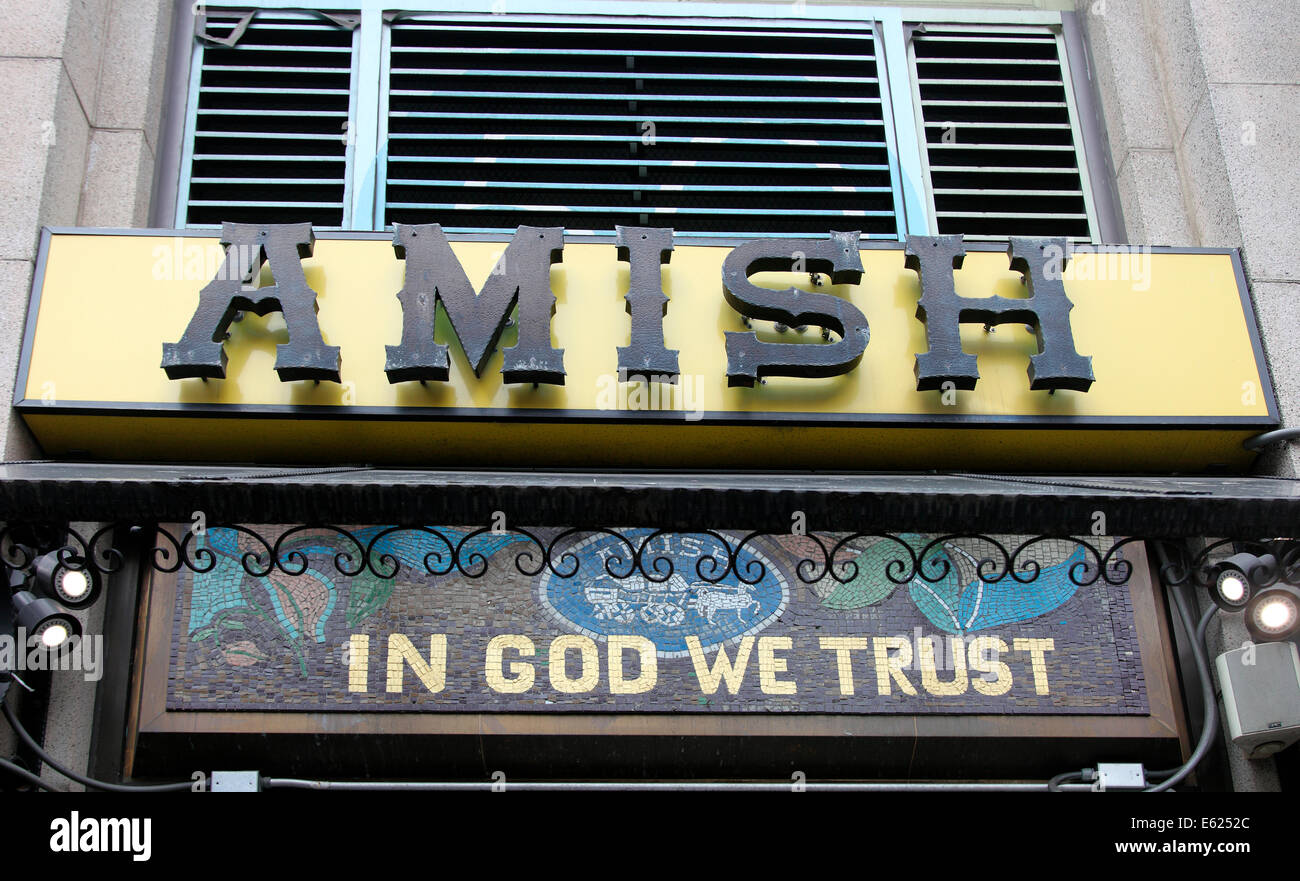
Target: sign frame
[(718, 438)]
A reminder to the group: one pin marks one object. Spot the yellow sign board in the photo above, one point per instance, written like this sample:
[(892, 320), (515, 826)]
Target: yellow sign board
[(1180, 379)]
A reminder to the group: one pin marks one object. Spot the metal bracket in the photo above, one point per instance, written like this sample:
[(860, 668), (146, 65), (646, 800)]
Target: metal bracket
[(201, 30), (347, 21)]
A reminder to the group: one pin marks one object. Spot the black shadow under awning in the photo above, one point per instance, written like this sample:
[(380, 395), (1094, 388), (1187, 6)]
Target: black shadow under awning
[(1152, 507)]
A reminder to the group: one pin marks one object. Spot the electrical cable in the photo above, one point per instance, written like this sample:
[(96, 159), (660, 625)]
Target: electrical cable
[(1268, 437), (1211, 723), (1054, 785), (81, 778), (646, 786), (31, 778), (1200, 640)]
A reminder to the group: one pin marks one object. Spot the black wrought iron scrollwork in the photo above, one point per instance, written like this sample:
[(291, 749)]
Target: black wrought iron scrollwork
[(613, 564), (1200, 569), (294, 562), (933, 569), (896, 570), (20, 543), (105, 559), (806, 569), (1121, 568), (1081, 573), (1289, 562), (639, 553), (662, 565), (755, 571), (15, 556), (708, 567)]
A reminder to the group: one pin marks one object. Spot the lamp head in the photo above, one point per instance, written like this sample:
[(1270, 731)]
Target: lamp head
[(67, 579), (1237, 578), (43, 619), (1273, 613)]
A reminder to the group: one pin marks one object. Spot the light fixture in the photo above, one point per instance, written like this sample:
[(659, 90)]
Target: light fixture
[(1236, 579), (1273, 613), (43, 619), (60, 579)]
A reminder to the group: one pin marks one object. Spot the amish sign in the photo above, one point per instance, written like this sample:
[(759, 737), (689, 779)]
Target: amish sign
[(521, 279), (287, 344)]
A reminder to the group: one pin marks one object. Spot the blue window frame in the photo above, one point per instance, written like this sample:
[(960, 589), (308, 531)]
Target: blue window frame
[(735, 121)]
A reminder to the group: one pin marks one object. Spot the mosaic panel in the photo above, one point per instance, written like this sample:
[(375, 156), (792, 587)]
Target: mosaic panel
[(593, 633)]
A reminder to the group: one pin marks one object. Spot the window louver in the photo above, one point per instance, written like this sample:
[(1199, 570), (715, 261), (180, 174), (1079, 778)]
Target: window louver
[(270, 128), (1002, 155), (725, 129)]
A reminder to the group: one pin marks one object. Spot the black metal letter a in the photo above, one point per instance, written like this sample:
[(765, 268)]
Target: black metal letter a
[(201, 350)]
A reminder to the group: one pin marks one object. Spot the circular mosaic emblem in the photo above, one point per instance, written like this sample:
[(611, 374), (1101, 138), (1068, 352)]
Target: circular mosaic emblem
[(597, 603)]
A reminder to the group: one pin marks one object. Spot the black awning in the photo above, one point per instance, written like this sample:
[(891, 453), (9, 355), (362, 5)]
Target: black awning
[(987, 503)]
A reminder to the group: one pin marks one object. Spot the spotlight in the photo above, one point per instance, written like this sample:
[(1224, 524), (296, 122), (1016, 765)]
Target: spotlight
[(74, 588), (44, 619), (1273, 613), (1233, 585)]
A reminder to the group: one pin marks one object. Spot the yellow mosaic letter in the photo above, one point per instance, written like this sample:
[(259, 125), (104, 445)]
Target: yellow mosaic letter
[(980, 646), (892, 668), (358, 661), (709, 678), (769, 664), (649, 664), (560, 680), (433, 673), (842, 645), (521, 672), (930, 676), (1036, 648)]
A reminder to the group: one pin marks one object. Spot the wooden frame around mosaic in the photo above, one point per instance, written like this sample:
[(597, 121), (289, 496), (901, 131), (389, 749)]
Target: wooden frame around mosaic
[(160, 742)]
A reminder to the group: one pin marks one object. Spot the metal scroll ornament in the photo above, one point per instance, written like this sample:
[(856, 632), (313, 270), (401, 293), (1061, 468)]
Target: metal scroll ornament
[(627, 553)]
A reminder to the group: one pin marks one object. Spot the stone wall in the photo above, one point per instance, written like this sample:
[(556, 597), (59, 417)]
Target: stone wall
[(1199, 98), (83, 82)]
